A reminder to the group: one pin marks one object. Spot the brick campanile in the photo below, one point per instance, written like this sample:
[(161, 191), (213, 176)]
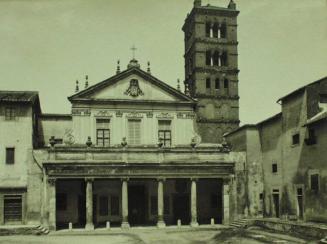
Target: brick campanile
[(211, 68)]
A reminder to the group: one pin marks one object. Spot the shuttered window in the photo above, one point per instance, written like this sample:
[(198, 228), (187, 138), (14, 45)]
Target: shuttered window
[(103, 132), (164, 132), (134, 132), (12, 208)]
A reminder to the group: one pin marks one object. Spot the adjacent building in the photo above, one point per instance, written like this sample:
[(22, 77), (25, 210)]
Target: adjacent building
[(288, 153)]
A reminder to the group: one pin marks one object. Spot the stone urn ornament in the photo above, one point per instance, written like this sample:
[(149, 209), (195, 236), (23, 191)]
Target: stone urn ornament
[(124, 142), (193, 142), (88, 142), (52, 141), (160, 142)]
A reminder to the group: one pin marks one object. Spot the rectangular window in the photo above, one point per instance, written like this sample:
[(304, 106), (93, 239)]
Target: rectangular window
[(103, 206), (314, 180), (10, 113), (134, 131), (274, 168), (217, 84), (12, 208), (10, 155), (61, 201), (103, 132), (164, 132), (296, 139), (154, 205), (114, 205), (166, 205), (208, 83)]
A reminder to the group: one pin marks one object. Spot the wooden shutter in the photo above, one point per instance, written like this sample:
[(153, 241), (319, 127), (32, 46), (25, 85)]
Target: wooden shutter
[(12, 208), (134, 132)]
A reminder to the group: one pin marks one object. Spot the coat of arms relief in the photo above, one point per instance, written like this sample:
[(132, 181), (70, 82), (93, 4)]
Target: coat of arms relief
[(134, 89)]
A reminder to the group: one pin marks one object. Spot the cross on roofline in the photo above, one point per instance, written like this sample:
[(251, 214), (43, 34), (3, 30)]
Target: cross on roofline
[(133, 48)]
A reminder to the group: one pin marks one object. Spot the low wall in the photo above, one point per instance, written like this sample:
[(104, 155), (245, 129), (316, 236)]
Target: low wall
[(299, 229), (18, 230)]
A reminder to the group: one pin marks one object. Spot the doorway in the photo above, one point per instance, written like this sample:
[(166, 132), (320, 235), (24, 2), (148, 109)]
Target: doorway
[(12, 209), (136, 205), (181, 208), (300, 201), (276, 203)]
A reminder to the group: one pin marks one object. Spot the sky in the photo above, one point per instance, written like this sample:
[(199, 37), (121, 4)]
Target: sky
[(47, 44)]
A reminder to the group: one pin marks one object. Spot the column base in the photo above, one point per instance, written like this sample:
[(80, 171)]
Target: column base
[(161, 224), (194, 224), (125, 225), (89, 226)]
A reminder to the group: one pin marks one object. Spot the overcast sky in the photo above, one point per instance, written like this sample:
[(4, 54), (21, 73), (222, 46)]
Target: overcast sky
[(47, 44)]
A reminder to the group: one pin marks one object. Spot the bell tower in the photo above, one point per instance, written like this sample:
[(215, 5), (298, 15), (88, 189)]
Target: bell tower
[(211, 68)]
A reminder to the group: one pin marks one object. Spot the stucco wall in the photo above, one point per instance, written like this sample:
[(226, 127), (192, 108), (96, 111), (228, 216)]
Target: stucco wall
[(17, 134)]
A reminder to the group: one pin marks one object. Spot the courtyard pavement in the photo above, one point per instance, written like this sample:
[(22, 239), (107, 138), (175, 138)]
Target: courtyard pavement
[(157, 236)]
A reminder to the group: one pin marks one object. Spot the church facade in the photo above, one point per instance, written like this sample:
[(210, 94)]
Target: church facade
[(134, 151)]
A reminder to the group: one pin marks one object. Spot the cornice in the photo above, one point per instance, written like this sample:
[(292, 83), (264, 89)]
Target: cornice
[(214, 121), (227, 97), (215, 69)]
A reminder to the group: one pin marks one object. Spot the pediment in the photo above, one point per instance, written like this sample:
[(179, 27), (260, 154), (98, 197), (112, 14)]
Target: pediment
[(132, 84)]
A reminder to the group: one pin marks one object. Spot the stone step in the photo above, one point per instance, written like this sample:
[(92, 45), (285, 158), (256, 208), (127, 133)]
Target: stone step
[(236, 225)]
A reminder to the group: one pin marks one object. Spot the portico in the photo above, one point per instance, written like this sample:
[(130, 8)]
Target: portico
[(89, 193)]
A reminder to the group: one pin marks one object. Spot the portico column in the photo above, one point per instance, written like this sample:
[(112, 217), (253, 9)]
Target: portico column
[(124, 193), (225, 192), (194, 220), (89, 204), (51, 201), (161, 222)]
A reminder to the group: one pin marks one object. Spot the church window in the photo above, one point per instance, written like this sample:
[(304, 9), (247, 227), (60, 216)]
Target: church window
[(208, 29), (215, 30), (216, 58), (103, 206), (10, 155), (208, 58), (223, 59), (226, 84), (61, 201), (114, 205), (217, 84), (134, 131), (223, 30), (164, 132), (208, 83), (10, 113), (103, 132)]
